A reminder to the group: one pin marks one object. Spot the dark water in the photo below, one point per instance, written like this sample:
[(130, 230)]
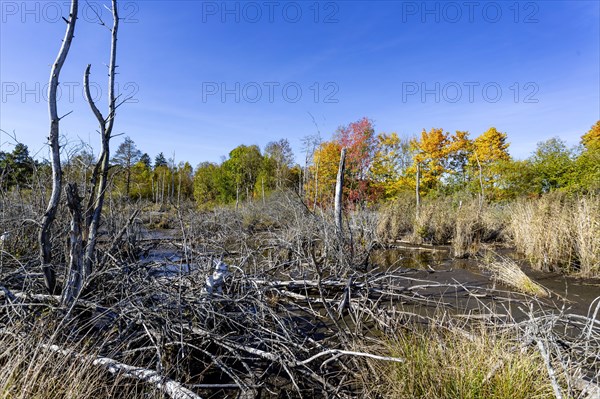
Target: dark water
[(578, 292), (169, 260)]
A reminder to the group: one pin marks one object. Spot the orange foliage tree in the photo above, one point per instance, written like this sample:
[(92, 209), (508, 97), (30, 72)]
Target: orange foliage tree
[(591, 140), (587, 165)]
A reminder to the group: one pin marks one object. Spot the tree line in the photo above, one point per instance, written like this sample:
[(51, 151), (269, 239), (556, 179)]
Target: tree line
[(379, 167)]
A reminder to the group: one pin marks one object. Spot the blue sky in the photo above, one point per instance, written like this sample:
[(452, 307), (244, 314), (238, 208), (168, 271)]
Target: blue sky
[(207, 76)]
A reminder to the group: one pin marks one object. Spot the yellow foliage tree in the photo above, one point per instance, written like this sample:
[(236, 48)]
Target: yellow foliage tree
[(591, 140), (430, 153), (489, 151), (391, 161), (460, 149), (586, 176), (323, 172), (490, 147)]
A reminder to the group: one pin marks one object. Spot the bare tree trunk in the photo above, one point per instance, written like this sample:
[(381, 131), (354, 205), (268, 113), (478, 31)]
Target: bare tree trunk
[(93, 187), (162, 190), (106, 127), (316, 185), (50, 214), (339, 185), (174, 168), (154, 194), (128, 183), (482, 195), (179, 191), (418, 190), (75, 277)]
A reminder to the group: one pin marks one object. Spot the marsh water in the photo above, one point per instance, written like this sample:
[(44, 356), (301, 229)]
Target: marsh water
[(167, 258), (578, 292)]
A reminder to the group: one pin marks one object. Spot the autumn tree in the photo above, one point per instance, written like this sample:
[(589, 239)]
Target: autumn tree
[(309, 146), (323, 173), (591, 140), (460, 149), (141, 179), (516, 179), (360, 142), (586, 175), (489, 150), (430, 155), (184, 181), (205, 184), (391, 162)]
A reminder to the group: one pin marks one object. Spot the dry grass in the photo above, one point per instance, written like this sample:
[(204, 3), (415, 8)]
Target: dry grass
[(29, 370), (586, 225), (467, 227), (445, 220), (559, 233), (448, 364), (435, 222), (396, 218), (508, 272), (554, 232)]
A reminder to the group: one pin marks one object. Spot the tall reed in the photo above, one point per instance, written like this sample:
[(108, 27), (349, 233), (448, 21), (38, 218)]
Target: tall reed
[(558, 233)]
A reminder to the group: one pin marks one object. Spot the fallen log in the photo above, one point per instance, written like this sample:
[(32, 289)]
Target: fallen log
[(173, 389)]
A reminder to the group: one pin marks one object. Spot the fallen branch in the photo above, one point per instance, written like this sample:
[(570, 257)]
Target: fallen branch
[(172, 388)]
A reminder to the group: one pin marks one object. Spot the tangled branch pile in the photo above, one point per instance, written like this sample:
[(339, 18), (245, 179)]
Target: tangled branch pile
[(298, 314)]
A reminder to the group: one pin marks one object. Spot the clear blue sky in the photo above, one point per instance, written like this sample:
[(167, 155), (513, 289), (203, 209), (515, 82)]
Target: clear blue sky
[(207, 76)]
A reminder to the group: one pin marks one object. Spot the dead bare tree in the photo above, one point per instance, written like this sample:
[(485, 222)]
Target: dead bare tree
[(74, 282), (418, 190), (339, 186), (44, 238), (99, 179)]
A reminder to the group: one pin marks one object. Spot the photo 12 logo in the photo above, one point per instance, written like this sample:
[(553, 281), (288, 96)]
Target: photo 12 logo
[(253, 12), (55, 11), (454, 92), (71, 92), (254, 92), (469, 11)]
